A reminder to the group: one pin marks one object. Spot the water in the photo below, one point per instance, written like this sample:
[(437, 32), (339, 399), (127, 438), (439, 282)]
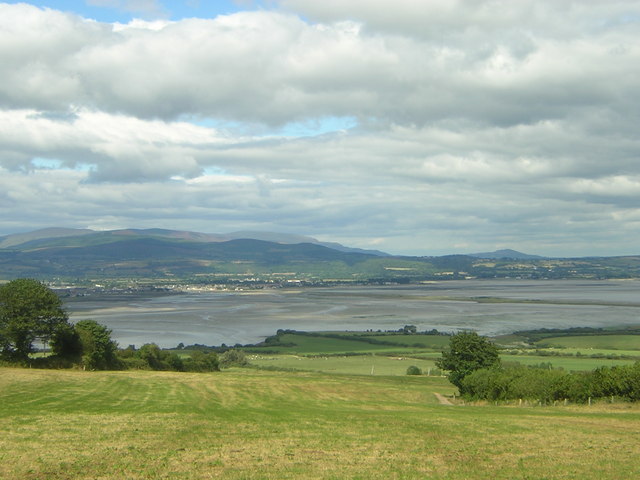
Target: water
[(213, 318)]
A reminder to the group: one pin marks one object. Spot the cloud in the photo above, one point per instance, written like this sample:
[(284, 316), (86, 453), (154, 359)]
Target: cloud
[(273, 68), (489, 124)]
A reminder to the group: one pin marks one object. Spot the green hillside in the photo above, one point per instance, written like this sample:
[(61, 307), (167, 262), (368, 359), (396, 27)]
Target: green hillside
[(168, 255), (247, 424)]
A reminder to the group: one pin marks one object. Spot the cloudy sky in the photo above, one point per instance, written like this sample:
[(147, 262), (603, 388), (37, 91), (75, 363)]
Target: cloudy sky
[(412, 126)]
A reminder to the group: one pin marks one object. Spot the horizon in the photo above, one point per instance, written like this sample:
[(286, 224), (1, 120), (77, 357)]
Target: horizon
[(469, 253), (414, 128)]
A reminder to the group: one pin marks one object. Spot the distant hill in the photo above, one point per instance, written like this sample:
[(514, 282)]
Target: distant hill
[(506, 253), (20, 238), (169, 256), (50, 237)]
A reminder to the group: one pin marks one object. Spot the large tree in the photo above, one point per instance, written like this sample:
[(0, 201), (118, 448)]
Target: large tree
[(28, 310), (98, 350), (467, 353)]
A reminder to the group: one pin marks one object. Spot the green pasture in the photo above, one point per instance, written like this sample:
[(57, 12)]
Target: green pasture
[(380, 364), (318, 345), (425, 341), (251, 424), (354, 364), (568, 363), (362, 357), (601, 342)]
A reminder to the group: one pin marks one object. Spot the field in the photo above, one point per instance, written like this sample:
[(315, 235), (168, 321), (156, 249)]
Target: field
[(322, 343), (356, 364), (391, 354), (627, 343), (327, 405), (568, 363), (283, 425)]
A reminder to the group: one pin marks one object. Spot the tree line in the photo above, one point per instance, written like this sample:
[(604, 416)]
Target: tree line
[(474, 367), (550, 385), (31, 312)]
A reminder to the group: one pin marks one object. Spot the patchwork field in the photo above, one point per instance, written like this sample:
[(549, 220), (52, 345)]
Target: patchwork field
[(629, 344), (356, 365), (249, 424)]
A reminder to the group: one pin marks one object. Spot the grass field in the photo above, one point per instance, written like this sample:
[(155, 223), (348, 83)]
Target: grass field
[(356, 365), (397, 365), (601, 342), (248, 424), (319, 345), (566, 363), (429, 341), (326, 353)]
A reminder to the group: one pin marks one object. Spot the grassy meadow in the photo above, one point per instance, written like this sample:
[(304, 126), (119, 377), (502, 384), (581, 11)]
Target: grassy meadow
[(354, 364), (325, 406), (626, 343), (392, 353), (252, 424)]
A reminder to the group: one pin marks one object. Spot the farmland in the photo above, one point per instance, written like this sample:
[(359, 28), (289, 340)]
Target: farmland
[(261, 424)]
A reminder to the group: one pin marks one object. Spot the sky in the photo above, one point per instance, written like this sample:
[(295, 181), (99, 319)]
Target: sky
[(416, 127)]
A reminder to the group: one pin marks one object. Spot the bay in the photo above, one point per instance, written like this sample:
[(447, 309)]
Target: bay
[(231, 317)]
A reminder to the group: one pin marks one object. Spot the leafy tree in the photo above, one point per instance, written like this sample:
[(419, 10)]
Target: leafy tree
[(202, 362), (467, 353), (65, 343), (28, 310), (98, 350), (152, 355), (233, 357)]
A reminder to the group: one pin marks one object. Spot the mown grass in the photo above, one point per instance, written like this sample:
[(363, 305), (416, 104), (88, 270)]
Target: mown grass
[(246, 424)]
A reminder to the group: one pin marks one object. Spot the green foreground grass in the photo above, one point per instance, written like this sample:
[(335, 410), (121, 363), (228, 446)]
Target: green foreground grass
[(249, 424)]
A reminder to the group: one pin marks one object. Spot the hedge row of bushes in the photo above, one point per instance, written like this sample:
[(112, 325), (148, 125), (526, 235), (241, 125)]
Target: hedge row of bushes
[(548, 385), (152, 357)]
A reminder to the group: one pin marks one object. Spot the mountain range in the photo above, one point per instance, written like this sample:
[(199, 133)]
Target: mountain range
[(172, 255)]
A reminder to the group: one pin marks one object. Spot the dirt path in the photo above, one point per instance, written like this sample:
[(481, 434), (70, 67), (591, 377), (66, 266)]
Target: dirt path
[(443, 400)]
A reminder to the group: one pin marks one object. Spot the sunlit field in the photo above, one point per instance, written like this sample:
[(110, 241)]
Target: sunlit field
[(249, 424)]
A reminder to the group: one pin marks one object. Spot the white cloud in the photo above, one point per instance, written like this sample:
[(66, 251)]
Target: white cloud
[(469, 123)]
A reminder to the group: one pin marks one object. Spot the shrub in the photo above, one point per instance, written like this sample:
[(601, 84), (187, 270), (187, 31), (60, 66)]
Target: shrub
[(202, 362), (232, 358)]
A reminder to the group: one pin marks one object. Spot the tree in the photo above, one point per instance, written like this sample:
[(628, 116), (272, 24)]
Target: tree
[(202, 362), (467, 353), (98, 350), (28, 310), (65, 343), (233, 358)]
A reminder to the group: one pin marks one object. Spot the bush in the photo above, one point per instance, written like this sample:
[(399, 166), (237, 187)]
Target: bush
[(233, 358), (98, 350), (413, 370), (202, 362), (467, 353), (547, 385)]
